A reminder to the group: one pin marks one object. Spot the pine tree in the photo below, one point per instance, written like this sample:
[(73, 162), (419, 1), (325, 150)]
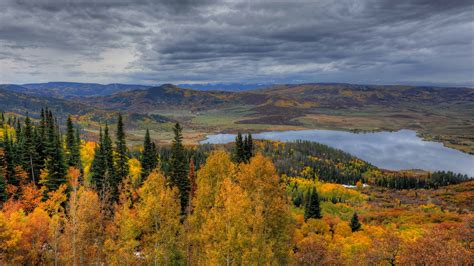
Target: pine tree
[(248, 147), (9, 161), (40, 156), (178, 171), (29, 150), (77, 151), (3, 180), (239, 150), (149, 156), (355, 224), (73, 157), (192, 185), (103, 169), (55, 165), (121, 161), (98, 167), (108, 156), (312, 208)]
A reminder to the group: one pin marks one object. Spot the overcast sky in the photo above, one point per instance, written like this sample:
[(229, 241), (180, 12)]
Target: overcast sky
[(146, 42)]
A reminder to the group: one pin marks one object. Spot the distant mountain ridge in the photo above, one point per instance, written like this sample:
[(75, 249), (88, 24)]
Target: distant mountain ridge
[(64, 90), (68, 90), (226, 86)]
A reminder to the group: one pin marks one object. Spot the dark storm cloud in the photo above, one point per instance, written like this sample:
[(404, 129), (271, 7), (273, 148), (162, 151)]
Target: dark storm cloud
[(367, 41)]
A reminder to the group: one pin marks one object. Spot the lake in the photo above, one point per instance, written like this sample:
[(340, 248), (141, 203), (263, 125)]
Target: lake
[(388, 150)]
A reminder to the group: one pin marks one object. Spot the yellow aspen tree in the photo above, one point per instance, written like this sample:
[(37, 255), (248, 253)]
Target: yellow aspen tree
[(122, 235), (87, 156), (158, 211), (84, 229), (226, 234), (218, 166), (261, 182)]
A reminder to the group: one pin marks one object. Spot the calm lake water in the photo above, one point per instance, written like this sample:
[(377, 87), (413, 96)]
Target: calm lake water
[(389, 150)]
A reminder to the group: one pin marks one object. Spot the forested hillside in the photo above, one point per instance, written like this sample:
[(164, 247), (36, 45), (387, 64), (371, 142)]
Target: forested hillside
[(66, 200)]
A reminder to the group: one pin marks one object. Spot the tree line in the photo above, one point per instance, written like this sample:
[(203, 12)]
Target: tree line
[(313, 160)]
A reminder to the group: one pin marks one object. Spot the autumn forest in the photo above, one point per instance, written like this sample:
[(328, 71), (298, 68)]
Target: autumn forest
[(66, 200)]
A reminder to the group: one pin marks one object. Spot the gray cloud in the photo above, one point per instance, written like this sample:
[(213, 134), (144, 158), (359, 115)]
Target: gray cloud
[(366, 41)]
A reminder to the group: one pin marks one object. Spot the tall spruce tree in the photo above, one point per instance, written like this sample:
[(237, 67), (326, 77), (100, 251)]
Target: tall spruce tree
[(108, 156), (55, 165), (103, 169), (3, 178), (73, 157), (248, 147), (312, 208), (9, 160), (121, 152), (149, 158), (98, 167), (239, 149), (178, 167), (28, 158), (77, 137), (355, 224)]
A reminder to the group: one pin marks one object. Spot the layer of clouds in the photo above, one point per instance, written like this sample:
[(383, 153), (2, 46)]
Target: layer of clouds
[(366, 41)]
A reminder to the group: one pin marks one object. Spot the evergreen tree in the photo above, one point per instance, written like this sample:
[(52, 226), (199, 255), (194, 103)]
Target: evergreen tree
[(192, 186), (77, 151), (39, 149), (73, 158), (103, 169), (98, 167), (178, 167), (312, 208), (3, 179), (108, 156), (9, 161), (248, 147), (239, 150), (355, 224), (149, 158), (55, 164), (28, 158), (121, 161), (298, 200)]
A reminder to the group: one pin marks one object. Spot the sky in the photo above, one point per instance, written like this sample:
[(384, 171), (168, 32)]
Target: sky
[(419, 42)]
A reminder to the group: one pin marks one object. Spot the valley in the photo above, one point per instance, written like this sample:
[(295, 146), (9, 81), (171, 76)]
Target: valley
[(440, 114)]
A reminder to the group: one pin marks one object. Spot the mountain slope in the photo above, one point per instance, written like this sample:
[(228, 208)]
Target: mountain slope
[(167, 96), (21, 103), (71, 89)]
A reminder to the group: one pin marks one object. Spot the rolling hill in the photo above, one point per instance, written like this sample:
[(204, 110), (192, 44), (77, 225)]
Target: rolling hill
[(71, 89), (441, 113), (445, 114), (22, 103)]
